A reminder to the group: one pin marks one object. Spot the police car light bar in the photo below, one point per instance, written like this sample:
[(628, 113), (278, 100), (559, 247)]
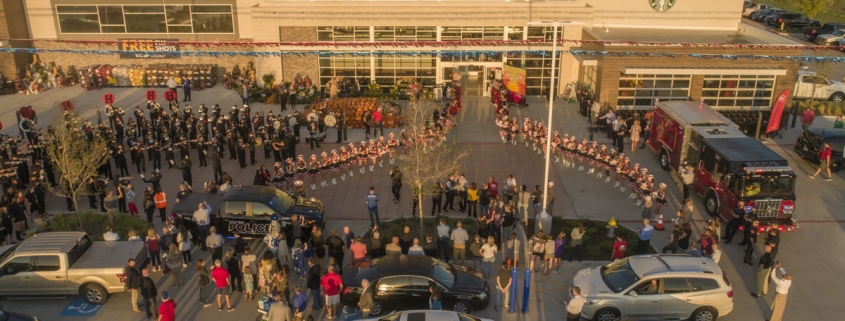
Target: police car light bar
[(767, 169)]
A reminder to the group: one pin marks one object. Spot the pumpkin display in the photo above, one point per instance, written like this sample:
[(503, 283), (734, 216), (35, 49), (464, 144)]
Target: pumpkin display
[(357, 109)]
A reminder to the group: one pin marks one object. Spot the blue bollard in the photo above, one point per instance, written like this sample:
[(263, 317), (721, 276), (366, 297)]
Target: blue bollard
[(512, 299), (527, 288)]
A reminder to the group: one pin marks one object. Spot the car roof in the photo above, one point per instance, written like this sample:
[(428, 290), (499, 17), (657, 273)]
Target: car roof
[(50, 242), (828, 132), (649, 265), (429, 315), (389, 265), (250, 193)]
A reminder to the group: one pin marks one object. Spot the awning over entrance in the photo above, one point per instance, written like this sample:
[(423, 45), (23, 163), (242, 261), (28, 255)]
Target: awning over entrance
[(703, 71)]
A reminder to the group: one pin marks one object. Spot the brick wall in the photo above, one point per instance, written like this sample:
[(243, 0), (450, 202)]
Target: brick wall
[(306, 65), (13, 25)]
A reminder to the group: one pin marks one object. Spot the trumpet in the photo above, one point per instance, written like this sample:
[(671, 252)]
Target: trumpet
[(9, 174), (125, 178), (13, 163)]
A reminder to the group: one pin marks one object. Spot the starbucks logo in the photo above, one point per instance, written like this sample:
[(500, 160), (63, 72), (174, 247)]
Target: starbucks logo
[(661, 5)]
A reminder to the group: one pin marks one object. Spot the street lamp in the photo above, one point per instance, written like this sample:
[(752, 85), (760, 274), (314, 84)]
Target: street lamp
[(544, 216)]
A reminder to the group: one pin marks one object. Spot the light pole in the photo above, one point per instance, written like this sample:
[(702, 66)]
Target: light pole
[(544, 215)]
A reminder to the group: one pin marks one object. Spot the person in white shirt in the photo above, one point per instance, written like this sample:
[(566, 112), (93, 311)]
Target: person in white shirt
[(202, 216), (110, 236), (573, 307), (782, 290), (717, 254), (416, 249)]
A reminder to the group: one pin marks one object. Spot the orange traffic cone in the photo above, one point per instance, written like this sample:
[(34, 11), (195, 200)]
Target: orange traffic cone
[(659, 225)]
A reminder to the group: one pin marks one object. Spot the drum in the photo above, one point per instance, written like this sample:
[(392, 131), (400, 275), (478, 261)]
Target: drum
[(259, 141), (330, 120), (313, 117), (292, 121), (277, 124)]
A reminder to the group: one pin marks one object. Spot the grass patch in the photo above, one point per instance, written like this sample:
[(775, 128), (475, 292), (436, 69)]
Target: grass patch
[(95, 224), (597, 246), (834, 13)]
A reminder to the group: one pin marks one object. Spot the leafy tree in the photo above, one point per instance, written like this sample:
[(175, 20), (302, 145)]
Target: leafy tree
[(424, 163), (811, 8), (74, 156)]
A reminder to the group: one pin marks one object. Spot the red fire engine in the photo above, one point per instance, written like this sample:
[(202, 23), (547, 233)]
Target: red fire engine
[(728, 165)]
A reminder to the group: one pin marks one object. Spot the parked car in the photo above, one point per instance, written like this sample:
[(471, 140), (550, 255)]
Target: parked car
[(423, 315), (762, 15), (786, 18), (11, 316), (835, 38), (811, 85), (66, 263), (812, 32), (802, 22), (676, 287), (402, 282), (747, 11), (810, 141)]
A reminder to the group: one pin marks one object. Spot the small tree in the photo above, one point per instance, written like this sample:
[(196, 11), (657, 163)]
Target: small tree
[(425, 163), (76, 158), (811, 8)]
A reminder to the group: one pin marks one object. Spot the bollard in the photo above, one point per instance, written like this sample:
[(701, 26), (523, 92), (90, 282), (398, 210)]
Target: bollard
[(527, 290), (512, 299)]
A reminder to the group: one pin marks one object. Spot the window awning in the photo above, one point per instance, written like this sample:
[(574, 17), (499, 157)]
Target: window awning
[(703, 71), (586, 61)]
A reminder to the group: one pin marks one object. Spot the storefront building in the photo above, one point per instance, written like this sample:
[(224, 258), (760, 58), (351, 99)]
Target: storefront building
[(333, 27)]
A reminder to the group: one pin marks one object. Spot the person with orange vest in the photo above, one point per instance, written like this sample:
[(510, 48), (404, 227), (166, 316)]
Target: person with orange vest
[(160, 199)]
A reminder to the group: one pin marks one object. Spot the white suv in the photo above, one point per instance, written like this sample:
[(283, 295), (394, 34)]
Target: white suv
[(655, 286)]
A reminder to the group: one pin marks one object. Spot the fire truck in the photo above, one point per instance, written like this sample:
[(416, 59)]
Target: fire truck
[(728, 165)]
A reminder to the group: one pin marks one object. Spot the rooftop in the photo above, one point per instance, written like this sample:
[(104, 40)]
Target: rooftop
[(645, 265), (50, 242), (745, 34)]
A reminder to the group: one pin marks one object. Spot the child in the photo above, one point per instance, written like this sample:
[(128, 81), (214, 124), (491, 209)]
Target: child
[(249, 283), (133, 236)]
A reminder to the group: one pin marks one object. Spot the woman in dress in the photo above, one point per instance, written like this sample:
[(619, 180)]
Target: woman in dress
[(660, 199), (392, 145), (635, 131), (313, 171), (154, 250), (301, 167)]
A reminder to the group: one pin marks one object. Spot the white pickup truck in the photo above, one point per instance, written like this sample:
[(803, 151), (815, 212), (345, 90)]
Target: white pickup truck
[(810, 85), (66, 263)]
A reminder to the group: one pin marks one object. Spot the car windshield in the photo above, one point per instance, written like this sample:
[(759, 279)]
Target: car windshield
[(839, 33), (9, 252), (766, 186), (443, 273), (619, 275), (282, 203)]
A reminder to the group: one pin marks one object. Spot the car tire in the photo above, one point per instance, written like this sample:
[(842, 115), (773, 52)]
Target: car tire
[(704, 314), (837, 97), (664, 160), (836, 166), (607, 314), (94, 293), (376, 309), (462, 307), (711, 204)]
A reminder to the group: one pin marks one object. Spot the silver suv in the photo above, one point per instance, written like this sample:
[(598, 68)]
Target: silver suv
[(655, 286)]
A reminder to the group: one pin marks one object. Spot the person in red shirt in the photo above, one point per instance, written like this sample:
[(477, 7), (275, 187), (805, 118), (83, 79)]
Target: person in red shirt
[(619, 248), (824, 162), (167, 308), (377, 119), (358, 249), (221, 280), (331, 285), (807, 118), (493, 187)]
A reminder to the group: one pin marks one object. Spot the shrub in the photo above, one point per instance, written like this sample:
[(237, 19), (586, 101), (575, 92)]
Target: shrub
[(95, 224)]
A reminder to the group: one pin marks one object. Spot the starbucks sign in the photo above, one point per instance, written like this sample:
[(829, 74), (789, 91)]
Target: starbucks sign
[(661, 5)]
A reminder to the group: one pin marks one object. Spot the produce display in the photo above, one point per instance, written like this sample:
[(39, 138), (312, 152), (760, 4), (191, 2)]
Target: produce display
[(156, 75)]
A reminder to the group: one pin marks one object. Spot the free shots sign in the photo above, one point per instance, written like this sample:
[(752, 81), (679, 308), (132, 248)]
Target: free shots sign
[(148, 48)]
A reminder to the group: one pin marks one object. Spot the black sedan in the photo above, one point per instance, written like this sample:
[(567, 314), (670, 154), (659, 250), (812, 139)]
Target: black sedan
[(11, 316), (401, 282)]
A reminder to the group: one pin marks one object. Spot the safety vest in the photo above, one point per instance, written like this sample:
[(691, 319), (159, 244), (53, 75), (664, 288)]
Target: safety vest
[(160, 200)]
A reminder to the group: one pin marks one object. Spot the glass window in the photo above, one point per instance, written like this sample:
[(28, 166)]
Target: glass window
[(647, 88), (619, 275), (179, 29), (391, 283), (79, 23), (143, 9), (259, 209), (700, 284), (675, 285), (116, 29), (47, 263), (145, 23), (738, 91), (420, 283), (178, 15), (111, 15), (223, 9), (76, 9), (213, 23), (515, 33), (236, 208), (17, 265)]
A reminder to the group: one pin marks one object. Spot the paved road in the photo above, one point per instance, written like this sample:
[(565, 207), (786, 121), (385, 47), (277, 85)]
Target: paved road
[(819, 206)]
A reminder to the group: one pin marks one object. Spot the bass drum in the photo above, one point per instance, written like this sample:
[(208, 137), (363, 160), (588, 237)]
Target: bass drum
[(330, 120), (292, 121), (277, 124), (313, 117)]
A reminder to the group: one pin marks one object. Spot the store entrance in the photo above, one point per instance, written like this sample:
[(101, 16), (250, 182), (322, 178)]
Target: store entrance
[(475, 77)]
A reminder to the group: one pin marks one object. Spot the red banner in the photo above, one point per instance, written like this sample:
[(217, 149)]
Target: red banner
[(777, 112)]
